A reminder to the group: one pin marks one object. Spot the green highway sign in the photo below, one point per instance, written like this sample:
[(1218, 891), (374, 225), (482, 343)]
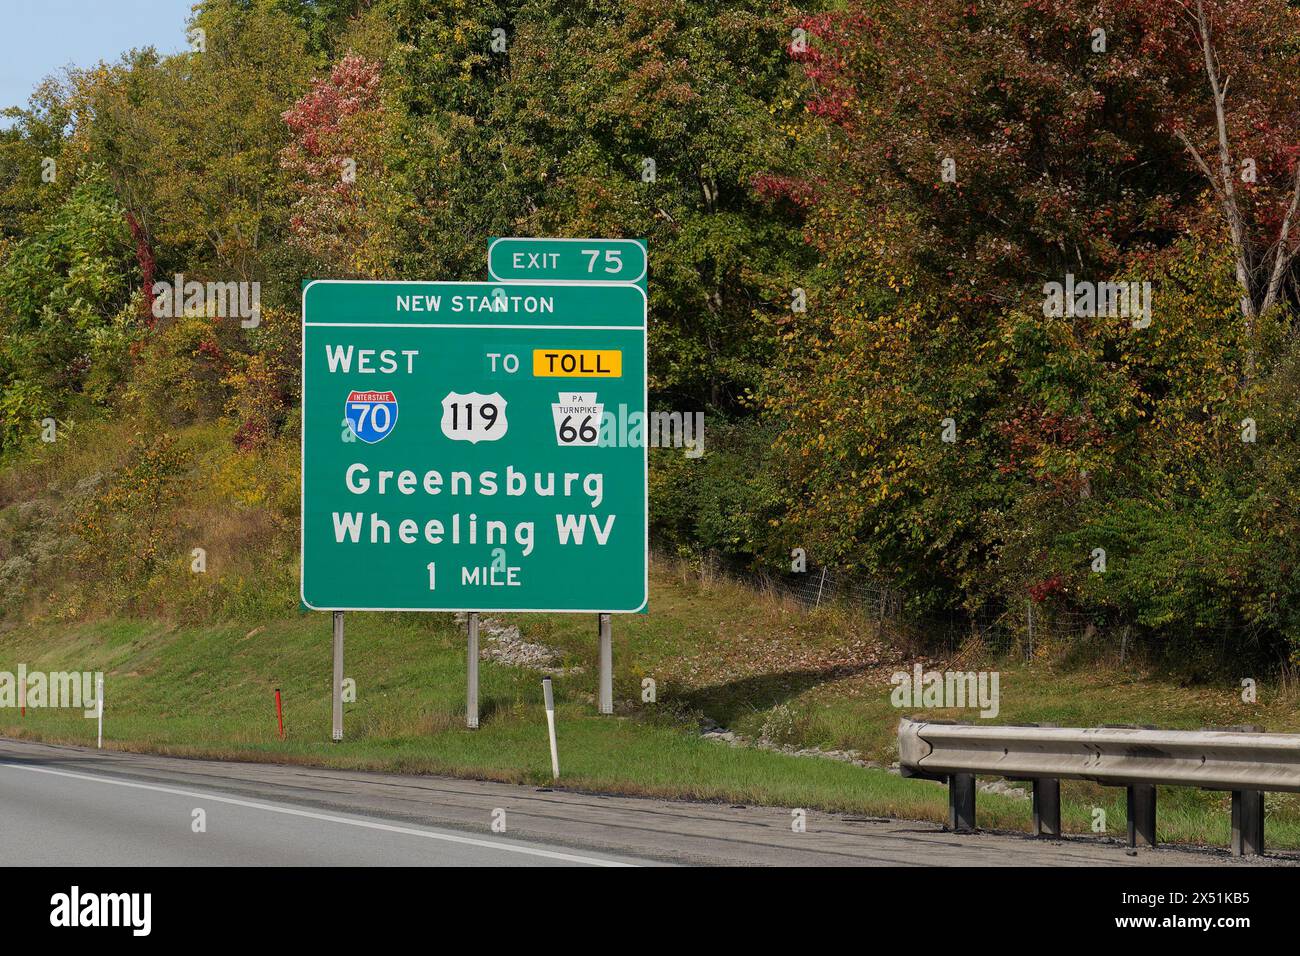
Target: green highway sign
[(474, 446), (568, 260)]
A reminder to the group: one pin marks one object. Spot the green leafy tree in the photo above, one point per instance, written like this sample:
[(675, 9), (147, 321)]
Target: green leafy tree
[(192, 141), (555, 134), (58, 288)]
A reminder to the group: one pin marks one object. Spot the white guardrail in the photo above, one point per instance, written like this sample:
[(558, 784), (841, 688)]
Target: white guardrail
[(1242, 761)]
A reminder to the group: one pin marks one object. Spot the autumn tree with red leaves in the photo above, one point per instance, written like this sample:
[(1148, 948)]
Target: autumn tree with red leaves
[(969, 153), (337, 161)]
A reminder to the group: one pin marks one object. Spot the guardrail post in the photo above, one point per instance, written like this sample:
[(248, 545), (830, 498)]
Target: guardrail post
[(1141, 815), (1047, 807), (961, 802), (1247, 822)]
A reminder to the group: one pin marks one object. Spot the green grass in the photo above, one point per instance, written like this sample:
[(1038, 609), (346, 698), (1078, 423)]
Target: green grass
[(210, 691), (750, 663)]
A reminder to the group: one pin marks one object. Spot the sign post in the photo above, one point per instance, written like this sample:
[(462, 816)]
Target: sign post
[(337, 734), (471, 672), (606, 699), (473, 447)]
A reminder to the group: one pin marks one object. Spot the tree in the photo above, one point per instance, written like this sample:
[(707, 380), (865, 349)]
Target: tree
[(1263, 58), (966, 155), (58, 288), (192, 141), (36, 136), (346, 211), (650, 119), (705, 94)]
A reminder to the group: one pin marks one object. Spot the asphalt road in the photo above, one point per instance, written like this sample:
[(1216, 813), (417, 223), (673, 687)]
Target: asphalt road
[(73, 806)]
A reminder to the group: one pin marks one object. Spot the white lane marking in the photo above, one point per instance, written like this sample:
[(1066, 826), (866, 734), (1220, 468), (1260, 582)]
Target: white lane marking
[(328, 818)]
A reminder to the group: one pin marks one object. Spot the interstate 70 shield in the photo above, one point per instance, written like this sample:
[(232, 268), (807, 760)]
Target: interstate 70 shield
[(371, 415)]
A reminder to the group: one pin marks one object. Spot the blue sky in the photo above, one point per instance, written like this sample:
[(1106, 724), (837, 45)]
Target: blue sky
[(40, 37)]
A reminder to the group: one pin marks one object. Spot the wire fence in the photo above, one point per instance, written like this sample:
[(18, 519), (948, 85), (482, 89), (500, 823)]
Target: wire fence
[(1027, 629)]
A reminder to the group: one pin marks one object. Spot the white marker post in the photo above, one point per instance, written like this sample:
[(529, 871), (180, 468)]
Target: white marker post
[(99, 706), (549, 695)]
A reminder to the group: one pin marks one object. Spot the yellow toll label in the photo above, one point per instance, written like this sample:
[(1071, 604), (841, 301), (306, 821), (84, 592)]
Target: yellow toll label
[(577, 363)]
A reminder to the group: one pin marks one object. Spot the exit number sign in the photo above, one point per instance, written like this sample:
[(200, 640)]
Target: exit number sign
[(461, 446), (568, 260)]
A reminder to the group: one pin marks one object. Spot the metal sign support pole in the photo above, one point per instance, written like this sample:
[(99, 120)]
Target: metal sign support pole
[(337, 734), (471, 677), (606, 703)]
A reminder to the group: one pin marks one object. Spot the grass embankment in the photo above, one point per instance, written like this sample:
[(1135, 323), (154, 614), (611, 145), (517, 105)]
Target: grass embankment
[(750, 663)]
